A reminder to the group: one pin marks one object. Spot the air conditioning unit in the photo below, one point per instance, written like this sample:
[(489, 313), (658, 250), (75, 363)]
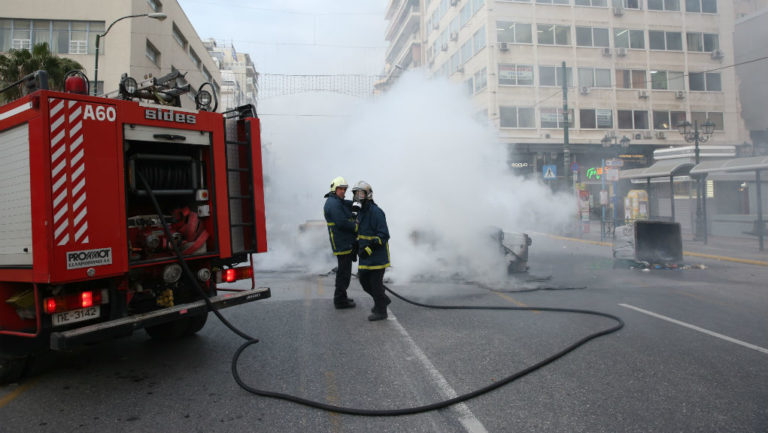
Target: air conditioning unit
[(680, 94), (642, 94), (621, 52), (607, 52), (647, 135), (638, 136), (661, 135), (460, 69), (618, 10), (718, 54), (584, 90), (444, 47), (454, 36), (454, 2), (503, 46)]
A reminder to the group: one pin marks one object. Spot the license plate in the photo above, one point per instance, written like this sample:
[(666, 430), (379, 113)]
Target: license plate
[(74, 316)]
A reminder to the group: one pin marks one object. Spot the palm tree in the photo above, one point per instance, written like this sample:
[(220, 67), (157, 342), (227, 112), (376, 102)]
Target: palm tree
[(19, 63)]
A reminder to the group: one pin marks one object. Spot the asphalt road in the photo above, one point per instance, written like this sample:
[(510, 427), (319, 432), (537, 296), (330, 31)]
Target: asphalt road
[(693, 356)]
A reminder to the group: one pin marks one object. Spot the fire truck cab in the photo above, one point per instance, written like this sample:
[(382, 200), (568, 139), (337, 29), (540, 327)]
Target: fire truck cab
[(84, 254)]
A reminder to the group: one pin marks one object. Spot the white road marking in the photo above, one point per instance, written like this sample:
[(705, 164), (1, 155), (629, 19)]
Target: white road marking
[(696, 328), (466, 417)]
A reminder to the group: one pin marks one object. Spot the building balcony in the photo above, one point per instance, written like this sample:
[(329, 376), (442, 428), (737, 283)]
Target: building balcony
[(393, 6), (250, 70), (403, 43), (404, 19)]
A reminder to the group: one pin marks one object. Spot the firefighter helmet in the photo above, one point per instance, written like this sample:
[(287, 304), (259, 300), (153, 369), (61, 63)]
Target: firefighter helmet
[(362, 187), (338, 182)]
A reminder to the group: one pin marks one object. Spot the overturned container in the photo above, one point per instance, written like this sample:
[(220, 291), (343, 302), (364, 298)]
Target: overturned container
[(649, 242)]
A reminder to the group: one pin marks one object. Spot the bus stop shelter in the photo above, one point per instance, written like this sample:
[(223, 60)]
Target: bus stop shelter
[(668, 168), (748, 164)]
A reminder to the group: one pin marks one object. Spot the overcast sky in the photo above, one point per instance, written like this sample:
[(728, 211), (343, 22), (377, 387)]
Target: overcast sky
[(297, 36)]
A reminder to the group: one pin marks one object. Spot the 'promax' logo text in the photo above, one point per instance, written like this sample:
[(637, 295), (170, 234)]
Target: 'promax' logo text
[(88, 258)]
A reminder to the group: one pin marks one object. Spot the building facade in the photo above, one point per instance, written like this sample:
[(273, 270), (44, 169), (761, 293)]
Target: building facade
[(634, 69), (239, 85), (141, 47)]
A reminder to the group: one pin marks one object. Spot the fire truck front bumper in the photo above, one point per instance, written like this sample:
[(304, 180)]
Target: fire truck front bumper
[(126, 325)]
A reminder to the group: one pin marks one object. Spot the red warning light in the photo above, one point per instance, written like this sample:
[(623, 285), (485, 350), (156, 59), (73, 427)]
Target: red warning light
[(50, 305), (86, 299), (230, 275)]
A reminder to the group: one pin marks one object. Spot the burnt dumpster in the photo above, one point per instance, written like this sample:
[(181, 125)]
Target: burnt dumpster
[(648, 242)]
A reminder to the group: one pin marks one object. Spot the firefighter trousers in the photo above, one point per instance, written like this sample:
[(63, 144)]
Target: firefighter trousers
[(373, 284), (343, 275)]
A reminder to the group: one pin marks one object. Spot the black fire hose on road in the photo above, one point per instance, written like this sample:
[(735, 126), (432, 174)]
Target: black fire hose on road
[(386, 412)]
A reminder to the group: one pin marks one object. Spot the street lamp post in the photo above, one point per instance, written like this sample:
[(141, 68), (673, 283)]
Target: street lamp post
[(156, 16), (692, 134), (609, 141)]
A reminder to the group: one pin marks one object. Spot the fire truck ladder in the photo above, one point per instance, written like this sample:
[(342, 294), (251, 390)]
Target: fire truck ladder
[(242, 218)]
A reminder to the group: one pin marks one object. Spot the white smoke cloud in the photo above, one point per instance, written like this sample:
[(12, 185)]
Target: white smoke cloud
[(440, 176)]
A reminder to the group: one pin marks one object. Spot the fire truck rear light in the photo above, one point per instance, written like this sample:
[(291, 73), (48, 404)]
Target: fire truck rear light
[(230, 275), (244, 273), (74, 301), (86, 299), (233, 274)]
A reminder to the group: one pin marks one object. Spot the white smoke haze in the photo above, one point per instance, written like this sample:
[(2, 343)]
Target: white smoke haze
[(440, 176)]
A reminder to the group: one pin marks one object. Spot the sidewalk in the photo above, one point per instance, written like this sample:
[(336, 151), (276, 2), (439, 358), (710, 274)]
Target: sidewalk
[(736, 249)]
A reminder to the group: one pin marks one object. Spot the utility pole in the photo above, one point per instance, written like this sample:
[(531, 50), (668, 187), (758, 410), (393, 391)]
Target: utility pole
[(566, 150)]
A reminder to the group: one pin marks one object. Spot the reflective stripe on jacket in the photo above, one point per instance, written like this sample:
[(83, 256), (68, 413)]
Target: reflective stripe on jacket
[(341, 224), (372, 232)]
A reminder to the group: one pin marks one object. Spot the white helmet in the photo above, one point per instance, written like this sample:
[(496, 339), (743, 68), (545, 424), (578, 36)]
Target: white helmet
[(338, 182), (362, 191)]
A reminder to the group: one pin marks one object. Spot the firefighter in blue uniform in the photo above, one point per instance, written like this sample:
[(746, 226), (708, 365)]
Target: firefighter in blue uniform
[(373, 249), (342, 231)]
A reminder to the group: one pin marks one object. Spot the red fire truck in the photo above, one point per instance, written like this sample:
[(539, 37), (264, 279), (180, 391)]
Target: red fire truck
[(122, 213)]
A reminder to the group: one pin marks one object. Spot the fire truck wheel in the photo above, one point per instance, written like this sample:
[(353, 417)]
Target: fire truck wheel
[(12, 368), (170, 330), (196, 323)]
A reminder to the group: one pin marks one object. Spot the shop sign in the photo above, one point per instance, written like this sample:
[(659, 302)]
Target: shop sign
[(594, 173)]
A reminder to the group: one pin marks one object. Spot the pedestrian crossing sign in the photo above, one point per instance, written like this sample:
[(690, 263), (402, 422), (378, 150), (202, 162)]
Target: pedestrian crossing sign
[(549, 171)]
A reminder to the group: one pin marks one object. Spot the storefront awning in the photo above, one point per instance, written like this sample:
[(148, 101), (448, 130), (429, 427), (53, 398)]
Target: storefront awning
[(734, 164), (659, 169)]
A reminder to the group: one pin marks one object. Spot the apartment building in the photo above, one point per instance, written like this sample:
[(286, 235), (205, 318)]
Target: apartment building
[(405, 35), (140, 46), (634, 69), (238, 74)]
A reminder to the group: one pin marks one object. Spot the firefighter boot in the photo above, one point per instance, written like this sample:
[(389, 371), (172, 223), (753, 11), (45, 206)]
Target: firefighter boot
[(378, 313), (377, 316), (344, 303)]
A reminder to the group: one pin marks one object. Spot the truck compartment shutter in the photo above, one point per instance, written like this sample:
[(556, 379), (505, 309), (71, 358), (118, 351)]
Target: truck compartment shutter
[(15, 198)]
